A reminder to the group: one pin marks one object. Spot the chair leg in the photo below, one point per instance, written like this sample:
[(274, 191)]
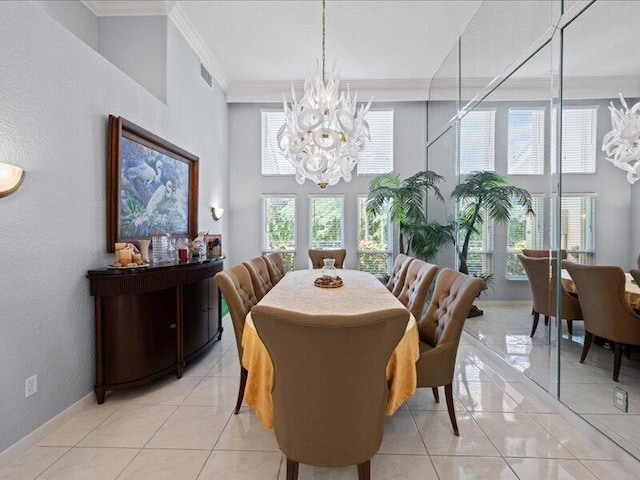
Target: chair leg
[(243, 382), (617, 360), (532, 311), (448, 393), (536, 317), (570, 327), (364, 470), (436, 395), (588, 338), (546, 320), (292, 470)]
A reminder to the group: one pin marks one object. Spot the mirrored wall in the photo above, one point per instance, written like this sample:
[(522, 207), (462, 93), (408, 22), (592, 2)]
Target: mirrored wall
[(536, 112)]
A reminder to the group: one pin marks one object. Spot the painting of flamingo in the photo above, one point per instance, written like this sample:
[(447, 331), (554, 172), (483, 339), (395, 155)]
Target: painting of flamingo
[(154, 184)]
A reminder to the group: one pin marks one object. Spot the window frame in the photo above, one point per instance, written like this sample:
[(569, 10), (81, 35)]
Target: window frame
[(262, 143), (539, 219), (493, 111), (488, 250), (263, 198), (313, 196), (544, 119), (389, 250), (393, 120), (553, 140)]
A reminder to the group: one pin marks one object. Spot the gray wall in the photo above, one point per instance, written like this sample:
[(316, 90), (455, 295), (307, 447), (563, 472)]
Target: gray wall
[(74, 16), (55, 94), (247, 184)]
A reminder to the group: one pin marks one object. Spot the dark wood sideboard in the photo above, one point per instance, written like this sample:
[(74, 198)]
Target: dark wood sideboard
[(151, 321)]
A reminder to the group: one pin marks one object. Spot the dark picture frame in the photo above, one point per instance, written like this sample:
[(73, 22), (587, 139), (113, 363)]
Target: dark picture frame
[(152, 185)]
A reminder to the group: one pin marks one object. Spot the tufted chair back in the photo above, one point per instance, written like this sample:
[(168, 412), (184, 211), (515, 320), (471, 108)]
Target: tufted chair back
[(416, 285), (440, 330), (237, 289), (260, 277), (275, 266), (398, 273), (527, 252), (317, 257)]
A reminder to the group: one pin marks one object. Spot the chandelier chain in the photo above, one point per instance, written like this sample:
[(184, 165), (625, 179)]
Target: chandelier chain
[(323, 41)]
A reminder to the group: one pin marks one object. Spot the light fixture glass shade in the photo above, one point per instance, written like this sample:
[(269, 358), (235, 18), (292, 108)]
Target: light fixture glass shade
[(11, 177), (622, 144), (217, 212), (324, 131)]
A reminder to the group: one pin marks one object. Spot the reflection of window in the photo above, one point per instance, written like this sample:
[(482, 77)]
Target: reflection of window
[(524, 231), (479, 260), (279, 227), (327, 221), (578, 139), (477, 130), (526, 142), (577, 220), (273, 163), (374, 240), (377, 156)]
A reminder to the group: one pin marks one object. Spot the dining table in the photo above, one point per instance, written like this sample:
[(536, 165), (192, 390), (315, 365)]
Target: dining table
[(631, 289), (360, 293)]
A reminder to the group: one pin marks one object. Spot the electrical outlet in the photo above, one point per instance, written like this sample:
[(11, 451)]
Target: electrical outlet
[(621, 399), (30, 386)]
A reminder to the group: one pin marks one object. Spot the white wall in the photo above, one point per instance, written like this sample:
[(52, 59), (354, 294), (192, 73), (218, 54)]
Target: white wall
[(247, 184), (55, 95), (75, 17)]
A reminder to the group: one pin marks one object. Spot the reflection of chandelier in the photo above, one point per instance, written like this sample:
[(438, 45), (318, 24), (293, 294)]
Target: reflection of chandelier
[(322, 134), (622, 143)]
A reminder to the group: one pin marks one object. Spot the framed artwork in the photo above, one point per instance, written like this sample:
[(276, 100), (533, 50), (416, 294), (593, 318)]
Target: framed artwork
[(214, 245), (152, 186)]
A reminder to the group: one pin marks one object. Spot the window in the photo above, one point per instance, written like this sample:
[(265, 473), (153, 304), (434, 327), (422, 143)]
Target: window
[(577, 220), (524, 231), (327, 221), (477, 132), (374, 239), (273, 163), (479, 260), (525, 151), (578, 139), (377, 156), (279, 227)]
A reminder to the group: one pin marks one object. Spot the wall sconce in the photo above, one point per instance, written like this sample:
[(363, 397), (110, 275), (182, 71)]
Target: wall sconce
[(217, 212), (11, 177)]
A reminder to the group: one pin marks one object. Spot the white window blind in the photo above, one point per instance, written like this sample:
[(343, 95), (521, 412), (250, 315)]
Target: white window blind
[(326, 221), (273, 163), (525, 151), (524, 231), (577, 232), (374, 239), (377, 156), (477, 141), (480, 257), (279, 227), (579, 126)]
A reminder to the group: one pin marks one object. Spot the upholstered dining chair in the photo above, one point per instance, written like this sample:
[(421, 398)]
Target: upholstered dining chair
[(440, 330), (607, 313), (543, 290), (330, 388), (398, 273), (635, 273), (275, 266), (543, 253), (317, 257), (260, 277), (416, 285), (237, 289)]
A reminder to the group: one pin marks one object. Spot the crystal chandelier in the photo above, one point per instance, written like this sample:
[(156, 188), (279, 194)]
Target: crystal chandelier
[(622, 143), (324, 131)]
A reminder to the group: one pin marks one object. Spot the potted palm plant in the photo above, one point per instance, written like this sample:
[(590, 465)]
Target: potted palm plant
[(483, 196), (406, 200)]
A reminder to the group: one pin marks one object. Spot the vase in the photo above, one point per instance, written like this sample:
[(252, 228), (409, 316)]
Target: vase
[(144, 250), (329, 268)]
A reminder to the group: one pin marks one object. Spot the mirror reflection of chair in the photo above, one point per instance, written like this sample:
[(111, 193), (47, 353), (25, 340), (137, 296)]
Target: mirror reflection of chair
[(398, 273), (237, 289), (440, 330), (317, 257), (329, 392), (543, 253), (607, 313), (275, 267), (260, 277), (416, 285), (543, 290)]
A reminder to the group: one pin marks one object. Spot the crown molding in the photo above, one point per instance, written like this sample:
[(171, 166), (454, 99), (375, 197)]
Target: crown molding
[(129, 8), (196, 42)]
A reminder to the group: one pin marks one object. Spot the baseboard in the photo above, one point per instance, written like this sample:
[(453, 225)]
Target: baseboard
[(33, 438), (587, 430), (505, 303)]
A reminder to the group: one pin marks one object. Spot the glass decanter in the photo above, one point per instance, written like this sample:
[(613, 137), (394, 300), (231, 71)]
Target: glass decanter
[(329, 268)]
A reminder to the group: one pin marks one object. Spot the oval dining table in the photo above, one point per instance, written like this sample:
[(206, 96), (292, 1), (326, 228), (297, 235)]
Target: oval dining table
[(360, 294), (631, 289)]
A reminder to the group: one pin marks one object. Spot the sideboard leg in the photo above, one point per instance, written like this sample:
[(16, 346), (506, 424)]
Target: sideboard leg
[(100, 392), (180, 370)]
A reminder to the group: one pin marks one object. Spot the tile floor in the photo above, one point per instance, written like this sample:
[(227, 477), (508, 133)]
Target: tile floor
[(585, 388), (184, 430)]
